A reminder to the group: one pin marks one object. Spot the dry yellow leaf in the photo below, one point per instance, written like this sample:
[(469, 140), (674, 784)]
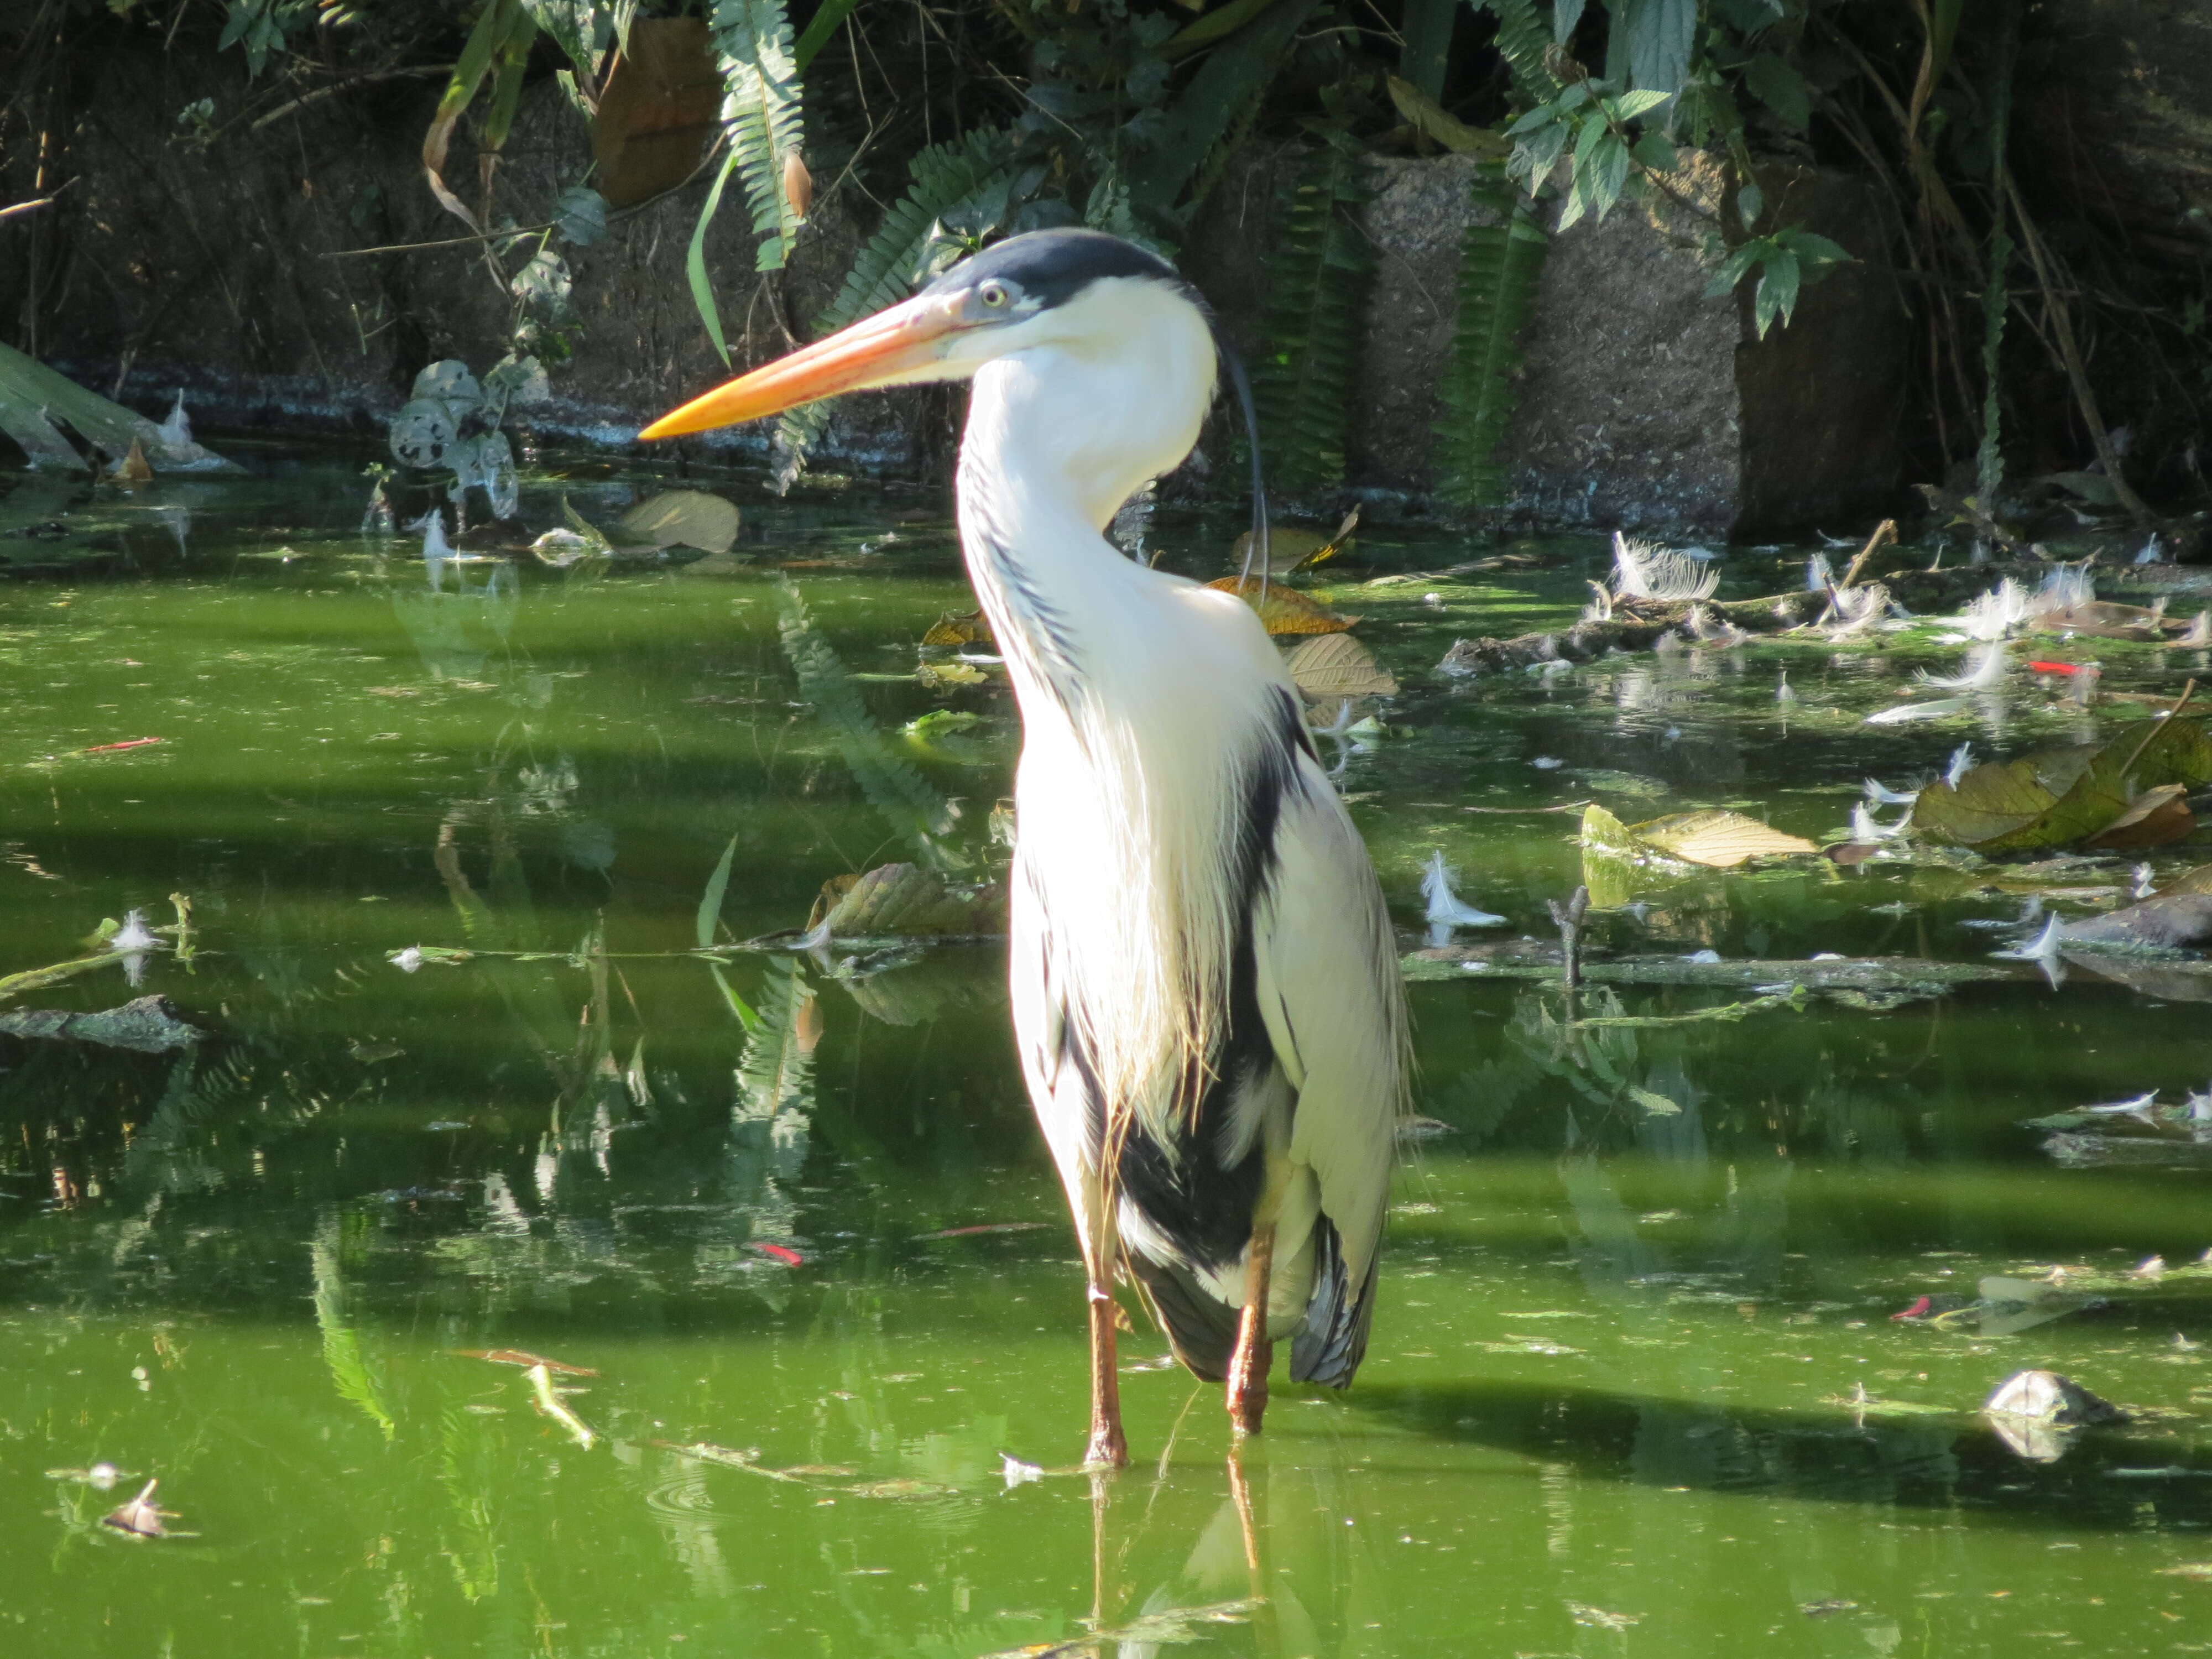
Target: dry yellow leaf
[(900, 900), (136, 468), (1285, 610), (959, 628), (1719, 840), (2198, 880), (1330, 667)]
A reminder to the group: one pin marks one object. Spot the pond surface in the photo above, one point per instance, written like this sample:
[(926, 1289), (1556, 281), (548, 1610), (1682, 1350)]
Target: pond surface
[(1636, 1387)]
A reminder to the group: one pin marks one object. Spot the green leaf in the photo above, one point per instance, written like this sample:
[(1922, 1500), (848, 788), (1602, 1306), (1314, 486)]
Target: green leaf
[(1657, 38), (694, 261), (1778, 290), (710, 917), (1653, 152), (1739, 260), (1608, 172), (819, 28), (1814, 250), (1750, 203), (1775, 82), (1566, 15), (1630, 105), (1216, 100), (580, 216)]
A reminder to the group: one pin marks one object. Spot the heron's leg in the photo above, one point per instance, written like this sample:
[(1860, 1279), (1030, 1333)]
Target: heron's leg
[(1107, 1444), (1254, 1353)]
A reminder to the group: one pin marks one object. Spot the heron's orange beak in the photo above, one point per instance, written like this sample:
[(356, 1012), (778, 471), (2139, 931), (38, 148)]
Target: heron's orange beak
[(872, 352)]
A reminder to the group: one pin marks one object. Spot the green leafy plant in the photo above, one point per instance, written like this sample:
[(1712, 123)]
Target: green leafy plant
[(1501, 263), (761, 117), (1318, 275), (1784, 262)]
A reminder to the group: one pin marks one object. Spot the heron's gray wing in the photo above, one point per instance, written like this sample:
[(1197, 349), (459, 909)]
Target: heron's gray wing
[(1333, 1002)]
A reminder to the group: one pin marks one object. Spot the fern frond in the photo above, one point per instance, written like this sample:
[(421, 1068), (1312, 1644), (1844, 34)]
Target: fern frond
[(946, 178), (761, 114), (1317, 282), (1521, 42), (1500, 263), (915, 810)]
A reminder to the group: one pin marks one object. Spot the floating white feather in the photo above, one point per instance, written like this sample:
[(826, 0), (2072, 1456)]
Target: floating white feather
[(1446, 909)]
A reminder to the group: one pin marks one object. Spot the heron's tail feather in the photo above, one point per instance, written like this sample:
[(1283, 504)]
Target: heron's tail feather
[(1201, 1328), (1329, 1347)]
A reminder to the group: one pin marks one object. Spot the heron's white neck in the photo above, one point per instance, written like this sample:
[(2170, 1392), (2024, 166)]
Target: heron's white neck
[(1060, 434)]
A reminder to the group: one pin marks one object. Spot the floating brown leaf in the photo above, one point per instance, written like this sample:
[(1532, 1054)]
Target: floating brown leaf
[(1285, 610), (959, 628), (2061, 796), (1719, 840), (1330, 667), (2198, 880), (2156, 818), (682, 518), (136, 468)]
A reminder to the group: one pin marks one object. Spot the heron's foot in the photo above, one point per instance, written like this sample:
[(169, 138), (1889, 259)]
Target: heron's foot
[(1248, 1383), (1109, 1449)]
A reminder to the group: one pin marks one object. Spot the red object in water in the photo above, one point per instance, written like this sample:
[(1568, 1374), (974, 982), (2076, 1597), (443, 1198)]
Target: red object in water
[(783, 1253), (1917, 1310), (2056, 667), (110, 748)]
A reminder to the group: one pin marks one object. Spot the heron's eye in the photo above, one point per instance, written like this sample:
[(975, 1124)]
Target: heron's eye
[(993, 295)]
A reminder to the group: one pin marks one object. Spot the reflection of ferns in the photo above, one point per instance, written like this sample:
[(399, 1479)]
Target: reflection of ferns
[(342, 1351), (760, 113), (947, 179), (1317, 286), (1500, 261), (775, 1074), (914, 810)]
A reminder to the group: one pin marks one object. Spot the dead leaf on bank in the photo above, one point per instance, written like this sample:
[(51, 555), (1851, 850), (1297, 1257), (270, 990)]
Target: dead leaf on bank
[(682, 518), (797, 183), (959, 628), (1332, 667), (1285, 610), (1429, 117), (900, 899), (1720, 840), (1290, 550), (657, 109)]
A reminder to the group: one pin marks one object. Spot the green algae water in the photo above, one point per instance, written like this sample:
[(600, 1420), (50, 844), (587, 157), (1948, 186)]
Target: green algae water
[(502, 1273)]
